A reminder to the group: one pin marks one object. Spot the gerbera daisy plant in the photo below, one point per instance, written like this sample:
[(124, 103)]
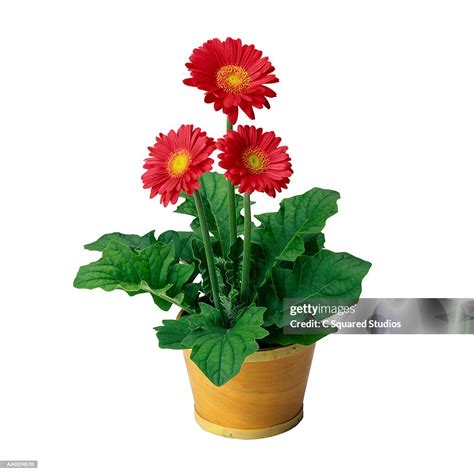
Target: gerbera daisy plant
[(228, 275)]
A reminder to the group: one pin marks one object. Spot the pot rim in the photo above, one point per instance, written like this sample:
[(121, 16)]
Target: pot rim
[(273, 353)]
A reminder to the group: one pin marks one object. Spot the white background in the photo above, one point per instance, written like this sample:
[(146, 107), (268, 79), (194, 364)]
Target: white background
[(376, 100)]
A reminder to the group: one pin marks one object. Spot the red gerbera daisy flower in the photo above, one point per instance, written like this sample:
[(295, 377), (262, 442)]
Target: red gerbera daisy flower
[(233, 75), (176, 162), (254, 160)]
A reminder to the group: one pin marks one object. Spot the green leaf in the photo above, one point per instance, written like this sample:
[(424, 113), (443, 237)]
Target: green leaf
[(327, 275), (178, 333), (173, 332), (220, 352), (268, 298), (191, 293), (152, 269), (164, 298), (313, 243), (179, 275), (282, 234), (130, 240), (182, 242), (213, 192)]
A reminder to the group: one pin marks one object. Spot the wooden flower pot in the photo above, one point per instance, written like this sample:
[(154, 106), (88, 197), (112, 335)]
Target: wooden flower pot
[(264, 399)]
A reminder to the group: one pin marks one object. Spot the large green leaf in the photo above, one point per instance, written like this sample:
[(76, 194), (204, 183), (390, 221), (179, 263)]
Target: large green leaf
[(152, 269), (326, 275), (282, 234), (133, 241), (182, 242), (213, 192), (218, 351)]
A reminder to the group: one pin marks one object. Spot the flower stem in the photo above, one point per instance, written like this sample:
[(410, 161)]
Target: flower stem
[(231, 203), (211, 263), (247, 245)]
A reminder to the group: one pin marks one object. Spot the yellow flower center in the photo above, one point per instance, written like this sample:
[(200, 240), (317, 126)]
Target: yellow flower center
[(233, 79), (255, 161), (178, 163)]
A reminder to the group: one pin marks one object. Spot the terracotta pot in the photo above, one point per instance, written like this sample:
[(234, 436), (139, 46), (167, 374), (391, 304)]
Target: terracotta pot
[(264, 399)]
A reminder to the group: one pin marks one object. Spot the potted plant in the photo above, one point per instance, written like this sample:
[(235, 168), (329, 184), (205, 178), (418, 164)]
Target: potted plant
[(228, 275)]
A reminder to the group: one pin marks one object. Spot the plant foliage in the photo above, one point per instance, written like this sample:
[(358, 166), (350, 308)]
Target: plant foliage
[(288, 260)]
